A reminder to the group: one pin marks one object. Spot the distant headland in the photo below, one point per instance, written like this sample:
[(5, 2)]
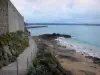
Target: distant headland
[(88, 24)]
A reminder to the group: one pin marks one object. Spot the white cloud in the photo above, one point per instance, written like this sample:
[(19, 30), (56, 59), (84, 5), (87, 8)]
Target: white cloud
[(47, 10)]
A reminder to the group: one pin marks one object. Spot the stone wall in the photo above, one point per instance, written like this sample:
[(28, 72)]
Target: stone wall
[(10, 19), (15, 19), (3, 16)]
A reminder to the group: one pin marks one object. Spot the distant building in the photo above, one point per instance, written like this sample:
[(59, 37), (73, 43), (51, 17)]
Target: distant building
[(10, 19)]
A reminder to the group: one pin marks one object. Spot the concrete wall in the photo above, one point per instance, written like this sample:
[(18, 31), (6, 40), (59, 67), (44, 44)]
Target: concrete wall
[(15, 20), (3, 16)]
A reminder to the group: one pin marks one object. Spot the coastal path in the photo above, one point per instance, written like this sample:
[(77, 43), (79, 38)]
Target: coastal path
[(21, 65)]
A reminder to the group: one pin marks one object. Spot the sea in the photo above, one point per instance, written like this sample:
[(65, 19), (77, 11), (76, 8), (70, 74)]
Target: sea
[(84, 38)]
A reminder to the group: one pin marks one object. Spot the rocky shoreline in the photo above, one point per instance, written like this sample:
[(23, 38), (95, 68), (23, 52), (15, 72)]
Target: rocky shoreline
[(70, 61)]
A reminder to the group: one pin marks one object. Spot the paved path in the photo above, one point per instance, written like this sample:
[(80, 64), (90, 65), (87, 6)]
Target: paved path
[(11, 69)]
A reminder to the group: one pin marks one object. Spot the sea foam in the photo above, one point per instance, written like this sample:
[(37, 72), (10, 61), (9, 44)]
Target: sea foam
[(83, 48)]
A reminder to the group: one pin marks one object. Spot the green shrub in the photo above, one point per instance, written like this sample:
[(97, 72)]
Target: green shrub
[(35, 63)]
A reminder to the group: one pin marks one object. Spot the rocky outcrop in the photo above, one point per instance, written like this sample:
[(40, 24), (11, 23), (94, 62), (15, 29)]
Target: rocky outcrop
[(54, 36), (11, 45)]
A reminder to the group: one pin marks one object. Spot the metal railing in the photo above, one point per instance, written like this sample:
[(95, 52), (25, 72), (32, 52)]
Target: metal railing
[(17, 71)]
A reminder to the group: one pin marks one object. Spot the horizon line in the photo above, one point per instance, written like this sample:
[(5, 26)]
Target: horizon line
[(61, 24)]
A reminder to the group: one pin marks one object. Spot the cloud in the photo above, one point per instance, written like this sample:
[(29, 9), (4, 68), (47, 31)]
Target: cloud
[(58, 10)]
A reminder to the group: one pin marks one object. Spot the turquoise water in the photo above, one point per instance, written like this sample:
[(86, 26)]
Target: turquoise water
[(82, 34), (84, 38)]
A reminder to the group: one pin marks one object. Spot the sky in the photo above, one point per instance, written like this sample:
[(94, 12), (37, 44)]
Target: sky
[(59, 11)]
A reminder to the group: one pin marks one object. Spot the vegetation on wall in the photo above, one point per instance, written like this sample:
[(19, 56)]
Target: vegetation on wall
[(11, 45)]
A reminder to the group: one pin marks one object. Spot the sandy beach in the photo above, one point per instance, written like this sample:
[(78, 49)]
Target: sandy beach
[(82, 64), (77, 63)]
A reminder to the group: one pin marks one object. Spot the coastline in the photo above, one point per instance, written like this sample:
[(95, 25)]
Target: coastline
[(70, 58), (83, 48)]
